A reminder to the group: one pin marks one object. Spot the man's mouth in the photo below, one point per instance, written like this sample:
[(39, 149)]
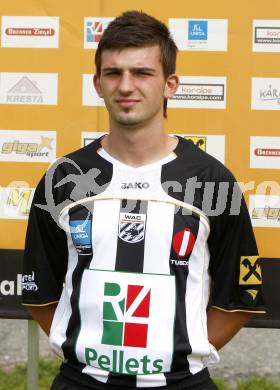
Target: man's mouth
[(127, 103)]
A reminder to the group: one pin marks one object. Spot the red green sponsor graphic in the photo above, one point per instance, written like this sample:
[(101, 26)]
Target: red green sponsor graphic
[(125, 315), (183, 242)]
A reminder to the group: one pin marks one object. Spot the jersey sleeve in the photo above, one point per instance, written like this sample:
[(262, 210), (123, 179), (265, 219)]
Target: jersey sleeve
[(45, 256), (234, 262)]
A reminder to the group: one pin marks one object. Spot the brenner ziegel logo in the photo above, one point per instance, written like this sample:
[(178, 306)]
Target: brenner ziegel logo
[(30, 31), (126, 315), (267, 152)]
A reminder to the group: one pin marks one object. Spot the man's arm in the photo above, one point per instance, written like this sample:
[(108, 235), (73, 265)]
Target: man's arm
[(43, 315), (222, 325)]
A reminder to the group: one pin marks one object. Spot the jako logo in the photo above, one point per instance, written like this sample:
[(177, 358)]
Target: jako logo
[(198, 30), (125, 315), (135, 185)]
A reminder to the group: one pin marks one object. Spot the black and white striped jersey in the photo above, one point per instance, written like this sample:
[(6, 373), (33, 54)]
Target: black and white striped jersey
[(130, 256)]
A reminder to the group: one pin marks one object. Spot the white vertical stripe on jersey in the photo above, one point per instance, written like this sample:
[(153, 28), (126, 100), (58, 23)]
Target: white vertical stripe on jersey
[(184, 244), (160, 218), (197, 282), (64, 311), (105, 223), (153, 380)]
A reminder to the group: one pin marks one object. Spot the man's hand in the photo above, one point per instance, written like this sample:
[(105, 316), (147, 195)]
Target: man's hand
[(222, 325), (43, 315)]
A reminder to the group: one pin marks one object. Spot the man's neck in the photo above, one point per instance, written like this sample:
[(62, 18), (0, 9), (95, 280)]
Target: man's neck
[(137, 147)]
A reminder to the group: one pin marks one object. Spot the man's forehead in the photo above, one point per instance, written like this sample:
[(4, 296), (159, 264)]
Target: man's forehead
[(147, 56)]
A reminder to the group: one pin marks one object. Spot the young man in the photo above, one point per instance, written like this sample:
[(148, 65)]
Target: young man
[(129, 252)]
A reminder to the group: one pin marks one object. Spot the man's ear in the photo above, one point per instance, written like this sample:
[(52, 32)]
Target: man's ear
[(96, 83), (171, 86)]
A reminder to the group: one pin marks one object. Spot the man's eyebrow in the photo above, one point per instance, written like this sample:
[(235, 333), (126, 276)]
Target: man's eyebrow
[(133, 69)]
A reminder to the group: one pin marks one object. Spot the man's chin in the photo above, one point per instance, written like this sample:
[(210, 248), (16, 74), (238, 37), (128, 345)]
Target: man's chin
[(129, 121)]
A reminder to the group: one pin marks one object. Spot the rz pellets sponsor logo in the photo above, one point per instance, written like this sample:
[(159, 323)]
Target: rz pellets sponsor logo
[(126, 311), (94, 28)]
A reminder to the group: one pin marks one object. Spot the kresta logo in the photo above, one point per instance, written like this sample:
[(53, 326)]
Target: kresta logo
[(126, 313)]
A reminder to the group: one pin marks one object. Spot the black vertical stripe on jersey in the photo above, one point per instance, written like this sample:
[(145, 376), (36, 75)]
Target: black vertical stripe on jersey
[(182, 347), (130, 255), (78, 212)]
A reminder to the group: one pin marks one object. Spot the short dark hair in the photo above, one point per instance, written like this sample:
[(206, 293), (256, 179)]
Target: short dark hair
[(137, 29)]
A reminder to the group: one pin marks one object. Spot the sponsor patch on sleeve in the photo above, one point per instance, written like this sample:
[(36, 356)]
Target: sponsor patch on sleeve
[(250, 271)]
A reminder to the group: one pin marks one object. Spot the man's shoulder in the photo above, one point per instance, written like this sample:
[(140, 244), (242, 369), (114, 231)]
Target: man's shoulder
[(193, 161)]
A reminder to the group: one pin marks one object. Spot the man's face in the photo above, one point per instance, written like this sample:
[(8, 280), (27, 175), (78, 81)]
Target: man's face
[(132, 84)]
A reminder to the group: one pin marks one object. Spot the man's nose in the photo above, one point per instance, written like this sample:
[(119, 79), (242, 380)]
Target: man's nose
[(126, 84)]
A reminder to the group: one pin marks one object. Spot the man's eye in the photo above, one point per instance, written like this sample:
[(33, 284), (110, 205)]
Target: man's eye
[(144, 73), (112, 73)]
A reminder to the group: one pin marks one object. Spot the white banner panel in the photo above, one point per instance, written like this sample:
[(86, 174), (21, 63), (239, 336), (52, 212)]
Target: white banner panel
[(200, 34), (93, 30), (265, 93), (30, 31), (265, 152), (200, 92), (27, 146), (15, 202), (90, 96), (265, 210), (266, 35), (28, 88)]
